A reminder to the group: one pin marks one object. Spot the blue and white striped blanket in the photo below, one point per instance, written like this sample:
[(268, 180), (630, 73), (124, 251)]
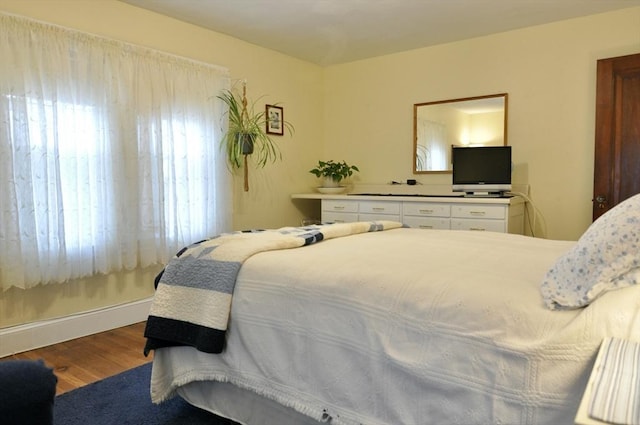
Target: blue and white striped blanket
[(192, 302), (615, 396)]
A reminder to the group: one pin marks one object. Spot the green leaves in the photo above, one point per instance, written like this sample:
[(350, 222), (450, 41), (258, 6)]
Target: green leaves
[(335, 170), (246, 121)]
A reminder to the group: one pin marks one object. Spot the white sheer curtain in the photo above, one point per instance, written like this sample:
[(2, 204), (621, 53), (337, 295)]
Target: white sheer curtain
[(109, 155)]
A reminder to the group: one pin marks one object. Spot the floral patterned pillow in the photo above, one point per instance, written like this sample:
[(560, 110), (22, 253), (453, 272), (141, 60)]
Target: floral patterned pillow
[(606, 257)]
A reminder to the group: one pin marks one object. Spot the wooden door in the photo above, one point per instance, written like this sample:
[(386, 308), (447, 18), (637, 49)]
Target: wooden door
[(617, 144)]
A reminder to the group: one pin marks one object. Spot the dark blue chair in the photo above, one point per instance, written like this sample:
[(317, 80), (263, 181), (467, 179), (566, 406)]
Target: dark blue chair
[(27, 392)]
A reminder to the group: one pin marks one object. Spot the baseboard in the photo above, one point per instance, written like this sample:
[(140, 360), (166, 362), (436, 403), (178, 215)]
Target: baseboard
[(27, 337)]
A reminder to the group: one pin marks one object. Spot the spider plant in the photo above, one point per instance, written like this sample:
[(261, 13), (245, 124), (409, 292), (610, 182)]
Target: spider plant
[(246, 134)]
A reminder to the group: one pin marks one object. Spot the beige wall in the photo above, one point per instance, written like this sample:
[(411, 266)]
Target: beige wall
[(362, 112), (549, 73)]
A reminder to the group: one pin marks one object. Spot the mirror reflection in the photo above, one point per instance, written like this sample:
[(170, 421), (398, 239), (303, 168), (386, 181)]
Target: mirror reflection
[(471, 121)]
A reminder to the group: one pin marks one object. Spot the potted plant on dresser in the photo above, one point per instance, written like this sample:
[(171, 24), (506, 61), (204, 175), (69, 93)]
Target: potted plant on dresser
[(333, 173), (247, 133)]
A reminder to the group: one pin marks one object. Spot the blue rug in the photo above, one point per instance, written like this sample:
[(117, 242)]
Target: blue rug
[(124, 400)]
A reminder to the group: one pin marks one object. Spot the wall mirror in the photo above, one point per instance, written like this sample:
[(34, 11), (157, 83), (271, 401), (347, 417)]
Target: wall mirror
[(470, 121)]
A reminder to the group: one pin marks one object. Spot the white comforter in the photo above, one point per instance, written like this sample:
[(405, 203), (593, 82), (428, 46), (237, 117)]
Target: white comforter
[(408, 326)]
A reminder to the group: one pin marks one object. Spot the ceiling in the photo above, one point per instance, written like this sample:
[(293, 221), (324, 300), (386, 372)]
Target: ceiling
[(329, 32)]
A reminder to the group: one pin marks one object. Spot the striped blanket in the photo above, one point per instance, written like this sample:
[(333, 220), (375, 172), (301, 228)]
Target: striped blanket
[(615, 396), (192, 301)]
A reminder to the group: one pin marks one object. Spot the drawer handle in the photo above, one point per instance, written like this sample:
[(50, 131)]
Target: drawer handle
[(424, 226), (338, 207), (479, 229), (426, 211), (477, 212), (378, 208)]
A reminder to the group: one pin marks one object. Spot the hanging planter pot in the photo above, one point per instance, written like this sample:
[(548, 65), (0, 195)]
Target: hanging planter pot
[(246, 142)]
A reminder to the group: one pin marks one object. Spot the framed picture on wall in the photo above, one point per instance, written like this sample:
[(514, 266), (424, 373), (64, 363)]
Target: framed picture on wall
[(275, 120)]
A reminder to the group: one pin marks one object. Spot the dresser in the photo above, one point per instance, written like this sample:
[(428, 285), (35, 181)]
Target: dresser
[(504, 215)]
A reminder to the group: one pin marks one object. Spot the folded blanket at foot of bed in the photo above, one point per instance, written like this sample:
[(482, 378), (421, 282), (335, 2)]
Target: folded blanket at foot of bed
[(193, 295)]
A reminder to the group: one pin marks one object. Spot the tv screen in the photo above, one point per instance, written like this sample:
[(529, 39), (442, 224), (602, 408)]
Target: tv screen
[(482, 169)]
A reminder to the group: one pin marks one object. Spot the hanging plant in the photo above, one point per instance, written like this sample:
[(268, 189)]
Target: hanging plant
[(247, 133)]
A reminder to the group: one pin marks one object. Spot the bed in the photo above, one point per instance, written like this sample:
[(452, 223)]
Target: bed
[(406, 326)]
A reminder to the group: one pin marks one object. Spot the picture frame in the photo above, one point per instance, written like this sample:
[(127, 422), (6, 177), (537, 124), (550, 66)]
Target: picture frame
[(275, 119)]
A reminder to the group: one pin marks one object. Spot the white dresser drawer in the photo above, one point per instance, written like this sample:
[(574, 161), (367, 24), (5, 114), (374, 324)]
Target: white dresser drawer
[(427, 222), (498, 212), (373, 207), (339, 206), (494, 215), (377, 217), (481, 225), (426, 209), (337, 217)]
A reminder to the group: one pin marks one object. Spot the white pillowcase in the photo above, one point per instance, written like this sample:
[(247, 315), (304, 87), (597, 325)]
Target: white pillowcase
[(606, 257)]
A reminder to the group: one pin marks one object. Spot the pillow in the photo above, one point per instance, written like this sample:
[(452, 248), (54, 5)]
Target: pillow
[(606, 257)]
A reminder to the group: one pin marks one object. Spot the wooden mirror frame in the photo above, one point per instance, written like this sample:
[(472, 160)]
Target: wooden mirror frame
[(489, 103)]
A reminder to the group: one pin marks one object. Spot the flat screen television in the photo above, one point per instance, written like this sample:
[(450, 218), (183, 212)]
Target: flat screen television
[(481, 170)]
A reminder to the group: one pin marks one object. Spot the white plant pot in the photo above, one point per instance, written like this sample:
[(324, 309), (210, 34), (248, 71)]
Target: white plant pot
[(329, 182)]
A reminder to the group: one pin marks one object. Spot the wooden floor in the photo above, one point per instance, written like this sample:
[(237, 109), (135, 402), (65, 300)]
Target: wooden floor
[(85, 360)]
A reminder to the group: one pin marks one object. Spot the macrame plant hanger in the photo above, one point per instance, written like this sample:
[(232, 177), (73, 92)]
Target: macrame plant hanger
[(244, 117)]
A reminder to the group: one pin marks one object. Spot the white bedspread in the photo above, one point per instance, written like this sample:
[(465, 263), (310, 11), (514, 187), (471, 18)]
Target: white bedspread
[(408, 326)]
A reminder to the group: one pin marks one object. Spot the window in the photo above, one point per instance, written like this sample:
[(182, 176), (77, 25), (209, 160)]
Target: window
[(108, 156)]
